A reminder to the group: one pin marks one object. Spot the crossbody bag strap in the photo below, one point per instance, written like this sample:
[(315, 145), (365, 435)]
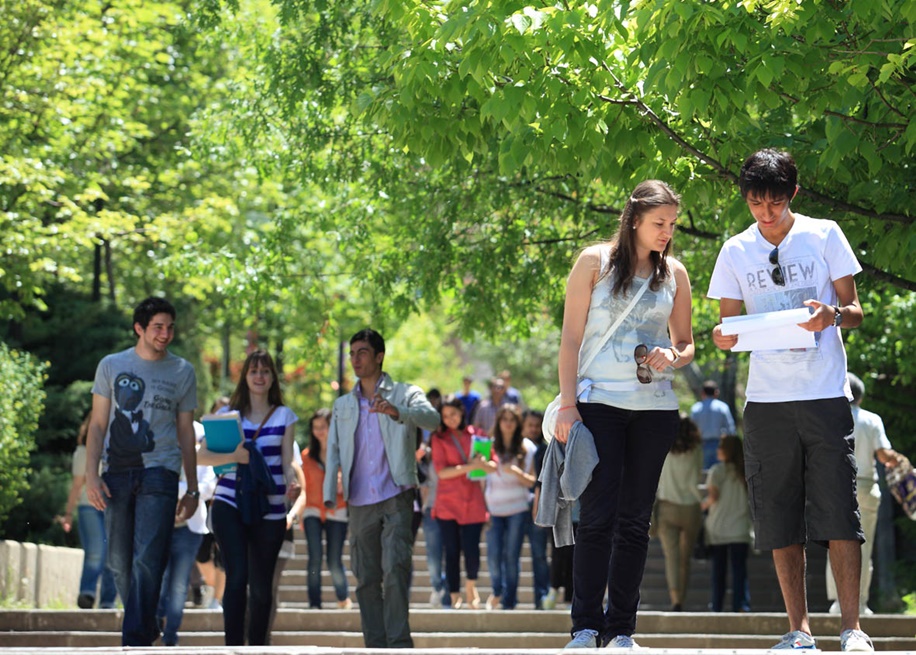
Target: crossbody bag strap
[(458, 446), (264, 422), (584, 363)]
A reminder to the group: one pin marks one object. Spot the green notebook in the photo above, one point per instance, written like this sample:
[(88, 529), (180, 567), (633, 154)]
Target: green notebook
[(480, 446)]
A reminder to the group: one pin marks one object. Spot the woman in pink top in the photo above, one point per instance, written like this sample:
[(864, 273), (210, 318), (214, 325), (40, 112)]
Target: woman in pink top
[(459, 507)]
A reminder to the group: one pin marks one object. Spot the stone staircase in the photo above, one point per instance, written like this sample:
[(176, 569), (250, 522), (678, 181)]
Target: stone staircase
[(523, 630), (765, 595)]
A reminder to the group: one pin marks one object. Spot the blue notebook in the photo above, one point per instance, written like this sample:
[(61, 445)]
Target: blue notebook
[(223, 433)]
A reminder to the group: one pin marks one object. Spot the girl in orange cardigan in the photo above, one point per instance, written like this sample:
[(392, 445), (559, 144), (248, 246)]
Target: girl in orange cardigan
[(318, 518)]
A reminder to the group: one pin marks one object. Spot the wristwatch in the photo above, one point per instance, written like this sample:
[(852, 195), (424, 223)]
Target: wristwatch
[(837, 316), (193, 494)]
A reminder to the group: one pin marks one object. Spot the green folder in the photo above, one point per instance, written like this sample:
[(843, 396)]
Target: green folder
[(480, 446)]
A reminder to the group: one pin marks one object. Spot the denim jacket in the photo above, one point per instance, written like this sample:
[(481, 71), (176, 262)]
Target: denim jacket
[(399, 436)]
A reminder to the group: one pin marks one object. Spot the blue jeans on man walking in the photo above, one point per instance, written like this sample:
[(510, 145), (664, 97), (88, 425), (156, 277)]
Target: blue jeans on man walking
[(175, 582), (139, 521), (504, 549), (95, 553)]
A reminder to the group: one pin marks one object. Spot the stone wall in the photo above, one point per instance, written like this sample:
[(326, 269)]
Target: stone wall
[(38, 575)]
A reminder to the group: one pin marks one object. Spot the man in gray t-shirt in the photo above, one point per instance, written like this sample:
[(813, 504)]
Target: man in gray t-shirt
[(141, 428)]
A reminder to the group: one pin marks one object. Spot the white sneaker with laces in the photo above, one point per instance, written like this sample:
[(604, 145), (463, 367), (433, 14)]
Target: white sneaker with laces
[(583, 639), (855, 641), (796, 640), (622, 642)]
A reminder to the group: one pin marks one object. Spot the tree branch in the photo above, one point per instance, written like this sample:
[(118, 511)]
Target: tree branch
[(728, 175), (890, 278)]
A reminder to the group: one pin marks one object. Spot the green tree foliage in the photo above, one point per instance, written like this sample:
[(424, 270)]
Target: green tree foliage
[(495, 139), (21, 404), (467, 150)]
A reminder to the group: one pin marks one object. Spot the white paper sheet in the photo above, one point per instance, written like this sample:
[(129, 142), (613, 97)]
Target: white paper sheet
[(770, 330)]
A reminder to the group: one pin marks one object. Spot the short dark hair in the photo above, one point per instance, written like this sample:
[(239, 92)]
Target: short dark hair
[(856, 385), (144, 312), (710, 387), (768, 173), (370, 336)]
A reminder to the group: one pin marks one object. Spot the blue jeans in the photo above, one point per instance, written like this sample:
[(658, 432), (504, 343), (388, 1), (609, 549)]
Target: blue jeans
[(504, 549), (538, 538), (139, 521), (710, 453), (613, 536), (741, 595), (174, 590), (434, 554), (249, 555), (95, 552), (335, 533)]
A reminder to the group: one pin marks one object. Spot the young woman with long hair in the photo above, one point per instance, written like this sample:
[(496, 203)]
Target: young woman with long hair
[(250, 552), (625, 400), (678, 514), (320, 519), (508, 494), (728, 524), (91, 525)]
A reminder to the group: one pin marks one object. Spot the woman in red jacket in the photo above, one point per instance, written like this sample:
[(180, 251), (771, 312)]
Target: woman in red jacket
[(459, 507)]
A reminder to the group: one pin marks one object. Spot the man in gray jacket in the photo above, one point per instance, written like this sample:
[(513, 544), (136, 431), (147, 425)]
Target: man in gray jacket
[(373, 440)]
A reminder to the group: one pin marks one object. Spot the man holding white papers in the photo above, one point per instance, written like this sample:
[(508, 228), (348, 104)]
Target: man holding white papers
[(798, 427)]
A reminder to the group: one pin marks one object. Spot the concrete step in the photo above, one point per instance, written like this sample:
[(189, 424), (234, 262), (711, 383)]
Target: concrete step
[(464, 629), (764, 588)]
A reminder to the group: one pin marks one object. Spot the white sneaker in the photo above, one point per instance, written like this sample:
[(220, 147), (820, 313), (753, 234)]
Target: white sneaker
[(796, 640), (622, 642), (855, 641), (549, 601), (583, 639), (207, 595), (834, 608), (435, 598)]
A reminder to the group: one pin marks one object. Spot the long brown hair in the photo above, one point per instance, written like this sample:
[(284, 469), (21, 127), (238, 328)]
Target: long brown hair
[(241, 397), (646, 196), (314, 445), (515, 449), (83, 431), (733, 453), (688, 436)]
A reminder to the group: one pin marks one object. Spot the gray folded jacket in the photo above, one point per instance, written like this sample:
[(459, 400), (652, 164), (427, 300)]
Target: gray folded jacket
[(565, 474)]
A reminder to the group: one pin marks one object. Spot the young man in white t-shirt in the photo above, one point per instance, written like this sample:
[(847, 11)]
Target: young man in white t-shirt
[(798, 426)]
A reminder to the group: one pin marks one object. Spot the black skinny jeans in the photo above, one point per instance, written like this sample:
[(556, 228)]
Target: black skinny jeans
[(249, 555), (613, 535)]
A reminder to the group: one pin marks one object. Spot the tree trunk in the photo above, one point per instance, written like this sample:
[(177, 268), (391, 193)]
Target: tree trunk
[(109, 271), (97, 274)]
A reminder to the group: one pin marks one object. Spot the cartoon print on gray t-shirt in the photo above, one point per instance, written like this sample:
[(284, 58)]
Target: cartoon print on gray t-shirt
[(130, 432)]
